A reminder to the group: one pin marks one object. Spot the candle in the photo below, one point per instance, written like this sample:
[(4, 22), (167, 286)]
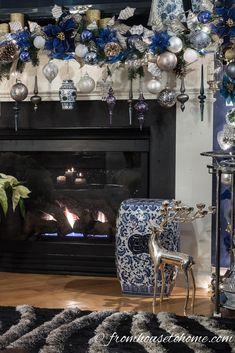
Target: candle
[(61, 180), (70, 175), (80, 180), (18, 18)]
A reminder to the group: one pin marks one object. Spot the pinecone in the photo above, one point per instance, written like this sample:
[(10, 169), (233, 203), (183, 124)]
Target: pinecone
[(8, 52)]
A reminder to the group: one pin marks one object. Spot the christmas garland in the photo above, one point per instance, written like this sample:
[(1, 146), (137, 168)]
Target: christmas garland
[(166, 46)]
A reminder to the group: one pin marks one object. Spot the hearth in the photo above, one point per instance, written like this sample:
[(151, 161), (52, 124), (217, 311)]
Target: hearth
[(77, 178)]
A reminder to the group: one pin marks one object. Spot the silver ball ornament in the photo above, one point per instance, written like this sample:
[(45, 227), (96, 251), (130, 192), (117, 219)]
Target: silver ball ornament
[(176, 44), (167, 98), (190, 55), (167, 61), (19, 91), (86, 84), (153, 86), (39, 42), (50, 71), (91, 58), (230, 70), (226, 179), (200, 40)]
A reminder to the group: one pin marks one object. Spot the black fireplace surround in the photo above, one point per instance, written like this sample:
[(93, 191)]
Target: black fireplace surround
[(78, 178)]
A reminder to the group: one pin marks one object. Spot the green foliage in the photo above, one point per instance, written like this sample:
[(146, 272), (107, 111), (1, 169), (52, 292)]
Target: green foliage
[(10, 185), (5, 71)]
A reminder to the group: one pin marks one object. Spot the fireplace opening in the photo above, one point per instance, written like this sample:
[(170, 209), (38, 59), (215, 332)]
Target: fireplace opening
[(75, 196)]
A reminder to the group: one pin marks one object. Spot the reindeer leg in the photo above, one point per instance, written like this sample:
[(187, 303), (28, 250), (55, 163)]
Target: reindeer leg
[(194, 289), (156, 268), (185, 270), (163, 283)]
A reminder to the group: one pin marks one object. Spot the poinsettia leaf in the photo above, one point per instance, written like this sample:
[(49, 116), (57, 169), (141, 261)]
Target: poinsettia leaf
[(3, 200), (15, 198), (23, 191), (22, 207), (3, 175)]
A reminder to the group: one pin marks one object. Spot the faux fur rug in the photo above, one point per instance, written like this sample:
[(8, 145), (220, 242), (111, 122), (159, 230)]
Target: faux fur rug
[(74, 331)]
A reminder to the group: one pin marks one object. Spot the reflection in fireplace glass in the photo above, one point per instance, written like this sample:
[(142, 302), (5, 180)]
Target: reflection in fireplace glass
[(74, 195)]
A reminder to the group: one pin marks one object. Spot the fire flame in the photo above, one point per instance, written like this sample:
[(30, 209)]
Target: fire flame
[(47, 217), (101, 217), (71, 217)]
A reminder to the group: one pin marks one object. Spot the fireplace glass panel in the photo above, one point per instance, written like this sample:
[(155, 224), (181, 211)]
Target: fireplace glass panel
[(74, 195)]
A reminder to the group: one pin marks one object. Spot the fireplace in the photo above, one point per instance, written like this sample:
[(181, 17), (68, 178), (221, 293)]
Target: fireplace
[(77, 178)]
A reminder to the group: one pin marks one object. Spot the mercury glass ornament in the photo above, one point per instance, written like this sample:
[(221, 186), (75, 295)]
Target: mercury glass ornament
[(86, 35), (111, 102), (183, 97), (204, 16), (86, 84), (167, 98), (132, 40), (68, 95), (200, 39), (35, 99), (24, 56), (50, 71), (91, 58), (167, 61), (141, 107), (176, 44), (230, 70), (19, 91), (153, 86), (39, 42)]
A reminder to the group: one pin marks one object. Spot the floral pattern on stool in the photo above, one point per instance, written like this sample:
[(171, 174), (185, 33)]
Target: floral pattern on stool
[(134, 265)]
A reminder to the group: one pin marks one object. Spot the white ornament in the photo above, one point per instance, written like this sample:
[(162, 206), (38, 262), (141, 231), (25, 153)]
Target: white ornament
[(56, 11), (126, 13), (92, 26), (39, 42), (81, 50), (15, 26), (34, 27), (190, 55), (154, 86), (176, 44), (137, 30), (86, 84), (50, 71)]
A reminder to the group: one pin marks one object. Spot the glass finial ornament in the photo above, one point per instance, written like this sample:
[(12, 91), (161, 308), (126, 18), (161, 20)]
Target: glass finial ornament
[(183, 97), (18, 92), (50, 71), (35, 99), (141, 107), (111, 102), (167, 98)]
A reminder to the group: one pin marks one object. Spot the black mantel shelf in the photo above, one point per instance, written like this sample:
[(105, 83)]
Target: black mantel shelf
[(99, 133)]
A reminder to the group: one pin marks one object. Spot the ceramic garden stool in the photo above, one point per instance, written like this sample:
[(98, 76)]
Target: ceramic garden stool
[(134, 265)]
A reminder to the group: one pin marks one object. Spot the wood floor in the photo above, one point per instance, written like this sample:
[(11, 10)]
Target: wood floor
[(92, 293)]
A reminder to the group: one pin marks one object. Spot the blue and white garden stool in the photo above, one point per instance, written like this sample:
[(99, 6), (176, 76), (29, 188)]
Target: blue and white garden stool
[(134, 265)]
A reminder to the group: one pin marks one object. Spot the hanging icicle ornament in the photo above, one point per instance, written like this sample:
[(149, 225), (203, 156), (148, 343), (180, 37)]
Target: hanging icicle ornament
[(111, 102), (183, 97), (35, 99), (18, 92), (141, 107), (202, 96)]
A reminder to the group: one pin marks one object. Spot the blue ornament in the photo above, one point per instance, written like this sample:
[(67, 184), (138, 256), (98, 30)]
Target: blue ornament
[(91, 58), (132, 40), (86, 35), (204, 16), (24, 55)]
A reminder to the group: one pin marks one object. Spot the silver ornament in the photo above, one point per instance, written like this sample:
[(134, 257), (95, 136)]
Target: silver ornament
[(90, 58), (81, 50), (167, 98), (68, 94), (167, 61), (200, 40), (230, 70), (226, 179), (176, 44), (50, 71), (19, 91), (86, 84), (39, 42), (153, 86)]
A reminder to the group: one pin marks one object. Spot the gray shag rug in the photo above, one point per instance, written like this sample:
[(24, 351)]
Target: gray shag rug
[(35, 330)]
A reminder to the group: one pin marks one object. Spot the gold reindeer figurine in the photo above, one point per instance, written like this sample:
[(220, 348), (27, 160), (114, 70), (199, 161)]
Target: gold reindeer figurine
[(161, 256)]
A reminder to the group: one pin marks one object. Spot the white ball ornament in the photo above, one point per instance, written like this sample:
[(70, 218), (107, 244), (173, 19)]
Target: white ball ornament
[(81, 50), (39, 42), (86, 84), (176, 44), (190, 55), (153, 86)]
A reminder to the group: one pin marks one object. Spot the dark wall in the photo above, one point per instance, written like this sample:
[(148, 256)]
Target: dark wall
[(94, 114)]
